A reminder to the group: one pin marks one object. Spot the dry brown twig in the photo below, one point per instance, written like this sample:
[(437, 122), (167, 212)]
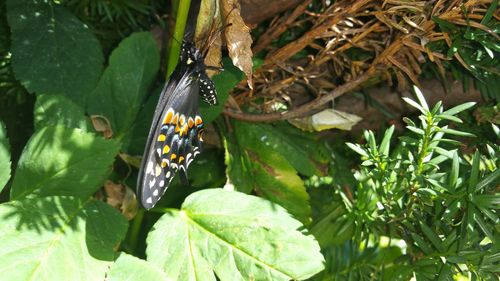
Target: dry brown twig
[(395, 34)]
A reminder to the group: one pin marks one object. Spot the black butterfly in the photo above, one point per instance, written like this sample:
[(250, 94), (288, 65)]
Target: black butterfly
[(175, 137)]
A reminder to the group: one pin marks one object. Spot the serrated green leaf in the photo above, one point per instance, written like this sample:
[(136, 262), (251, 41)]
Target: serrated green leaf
[(58, 238), (51, 110), (134, 140), (63, 161), (5, 162), (122, 89), (52, 51), (128, 267), (234, 236)]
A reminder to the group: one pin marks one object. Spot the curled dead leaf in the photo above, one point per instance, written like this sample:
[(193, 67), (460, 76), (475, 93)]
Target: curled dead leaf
[(101, 124), (122, 198), (238, 38)]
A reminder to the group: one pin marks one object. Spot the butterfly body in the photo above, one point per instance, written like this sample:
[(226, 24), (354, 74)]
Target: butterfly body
[(175, 136)]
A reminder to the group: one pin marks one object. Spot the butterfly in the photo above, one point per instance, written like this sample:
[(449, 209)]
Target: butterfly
[(176, 133)]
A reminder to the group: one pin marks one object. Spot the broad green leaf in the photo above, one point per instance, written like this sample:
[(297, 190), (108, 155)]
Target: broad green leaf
[(59, 110), (134, 140), (232, 236), (52, 51), (5, 162), (128, 267), (122, 89), (264, 168), (63, 161), (297, 147), (58, 238)]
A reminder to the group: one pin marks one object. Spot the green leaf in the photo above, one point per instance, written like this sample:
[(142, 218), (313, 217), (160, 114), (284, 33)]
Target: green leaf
[(62, 161), (128, 267), (58, 238), (52, 51), (491, 178), (421, 98), (59, 110), (433, 237), (456, 132), (122, 89), (474, 172), (414, 104), (5, 162), (453, 175), (297, 147), (233, 236), (134, 140), (358, 149), (386, 141), (459, 108), (270, 172)]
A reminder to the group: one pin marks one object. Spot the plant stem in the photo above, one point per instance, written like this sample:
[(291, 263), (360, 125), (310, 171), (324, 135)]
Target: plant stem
[(175, 46), (135, 229)]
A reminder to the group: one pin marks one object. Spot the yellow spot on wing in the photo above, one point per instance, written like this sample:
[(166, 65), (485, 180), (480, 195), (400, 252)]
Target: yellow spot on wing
[(161, 137), (166, 149), (181, 158), (190, 122), (164, 163), (198, 121), (168, 117), (173, 156)]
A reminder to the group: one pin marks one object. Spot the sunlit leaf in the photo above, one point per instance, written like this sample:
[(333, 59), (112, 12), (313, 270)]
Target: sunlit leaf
[(58, 238), (128, 267), (63, 161), (5, 162), (232, 236), (122, 89), (52, 51)]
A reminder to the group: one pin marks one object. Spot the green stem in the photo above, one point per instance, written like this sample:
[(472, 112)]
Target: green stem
[(135, 229), (180, 25)]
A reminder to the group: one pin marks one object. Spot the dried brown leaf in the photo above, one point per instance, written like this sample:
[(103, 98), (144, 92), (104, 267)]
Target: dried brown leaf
[(101, 124), (238, 38), (122, 198)]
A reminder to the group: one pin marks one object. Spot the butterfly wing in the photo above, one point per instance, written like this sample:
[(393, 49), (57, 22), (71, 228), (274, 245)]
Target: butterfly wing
[(175, 137)]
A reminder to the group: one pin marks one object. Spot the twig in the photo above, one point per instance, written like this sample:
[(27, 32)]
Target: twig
[(292, 48), (306, 108)]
